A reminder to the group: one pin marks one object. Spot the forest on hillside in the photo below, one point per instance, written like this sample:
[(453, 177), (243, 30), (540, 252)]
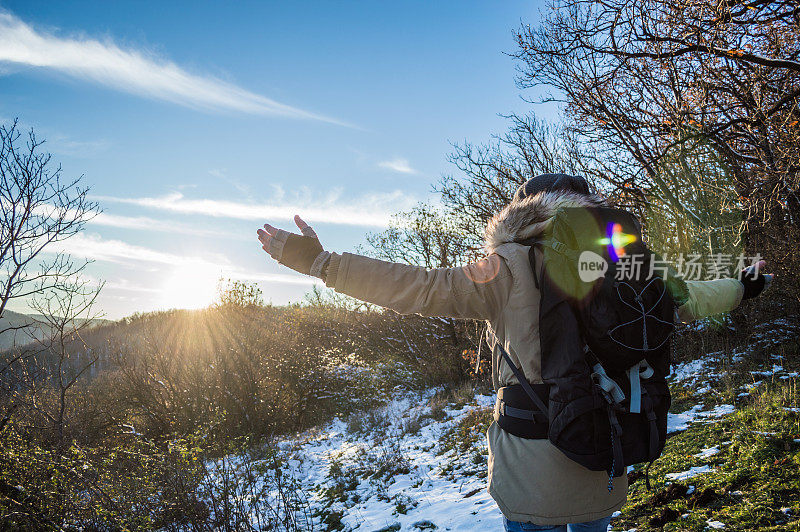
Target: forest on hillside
[(686, 112)]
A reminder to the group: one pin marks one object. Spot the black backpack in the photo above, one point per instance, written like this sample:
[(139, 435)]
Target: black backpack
[(605, 321)]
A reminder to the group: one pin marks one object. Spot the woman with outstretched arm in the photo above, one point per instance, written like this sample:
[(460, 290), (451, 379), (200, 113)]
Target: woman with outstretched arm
[(530, 479)]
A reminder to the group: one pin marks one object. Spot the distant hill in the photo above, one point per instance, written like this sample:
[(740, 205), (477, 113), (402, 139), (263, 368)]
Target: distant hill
[(30, 329), (17, 337)]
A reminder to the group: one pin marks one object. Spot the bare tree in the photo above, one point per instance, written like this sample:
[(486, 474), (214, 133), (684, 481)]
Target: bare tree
[(643, 81), (64, 311), (39, 210), (643, 77), (490, 173), (424, 236)]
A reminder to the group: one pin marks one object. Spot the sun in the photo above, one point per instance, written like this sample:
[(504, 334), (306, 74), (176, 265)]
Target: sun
[(191, 286)]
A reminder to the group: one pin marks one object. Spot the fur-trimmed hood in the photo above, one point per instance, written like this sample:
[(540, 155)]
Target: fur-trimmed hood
[(529, 217)]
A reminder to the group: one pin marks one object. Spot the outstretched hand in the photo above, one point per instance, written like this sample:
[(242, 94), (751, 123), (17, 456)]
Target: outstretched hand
[(302, 253), (269, 232)]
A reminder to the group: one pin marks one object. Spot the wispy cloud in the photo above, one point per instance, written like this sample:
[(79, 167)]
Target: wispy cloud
[(116, 251), (221, 174), (119, 284), (134, 71), (367, 210), (145, 223), (141, 223), (398, 165), (75, 148), (56, 142)]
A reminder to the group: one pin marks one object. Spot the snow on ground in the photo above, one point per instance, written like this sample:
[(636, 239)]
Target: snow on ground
[(689, 373), (428, 491), (693, 472), (393, 474), (708, 453), (681, 421), (425, 492)]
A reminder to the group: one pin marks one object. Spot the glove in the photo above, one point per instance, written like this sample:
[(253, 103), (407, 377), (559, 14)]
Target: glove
[(754, 281), (302, 253)]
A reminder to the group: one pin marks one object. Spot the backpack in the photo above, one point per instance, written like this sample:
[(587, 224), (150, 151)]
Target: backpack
[(605, 321)]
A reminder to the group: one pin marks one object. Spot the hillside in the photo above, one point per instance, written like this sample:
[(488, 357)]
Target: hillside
[(419, 463), (20, 336), (206, 425)]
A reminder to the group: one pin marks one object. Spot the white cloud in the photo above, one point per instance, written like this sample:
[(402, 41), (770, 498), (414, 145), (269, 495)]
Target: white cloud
[(145, 223), (118, 284), (398, 165), (96, 248), (373, 209), (119, 252), (56, 142), (142, 223), (133, 71), (75, 148)]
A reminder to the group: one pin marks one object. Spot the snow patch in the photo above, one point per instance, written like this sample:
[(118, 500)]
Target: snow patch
[(681, 421), (690, 371), (692, 472), (775, 369), (421, 499), (707, 453)]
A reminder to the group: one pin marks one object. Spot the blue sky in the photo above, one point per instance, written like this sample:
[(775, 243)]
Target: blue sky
[(196, 122)]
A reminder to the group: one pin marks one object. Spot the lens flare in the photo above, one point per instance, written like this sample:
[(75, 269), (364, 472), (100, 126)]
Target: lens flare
[(616, 240)]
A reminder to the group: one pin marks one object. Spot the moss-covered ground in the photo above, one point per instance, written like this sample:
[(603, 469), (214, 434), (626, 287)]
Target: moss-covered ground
[(754, 478)]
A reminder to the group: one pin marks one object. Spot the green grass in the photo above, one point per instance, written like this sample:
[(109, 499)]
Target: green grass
[(755, 484), (466, 439)]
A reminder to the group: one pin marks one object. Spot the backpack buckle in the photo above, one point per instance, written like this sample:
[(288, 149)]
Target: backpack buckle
[(610, 389), (558, 246)]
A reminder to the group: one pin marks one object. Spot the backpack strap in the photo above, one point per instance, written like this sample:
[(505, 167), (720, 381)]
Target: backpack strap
[(533, 242), (552, 243), (523, 381), (532, 260), (639, 371), (617, 458), (653, 452)]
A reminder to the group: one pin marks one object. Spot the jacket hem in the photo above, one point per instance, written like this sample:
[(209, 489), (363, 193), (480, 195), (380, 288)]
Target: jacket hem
[(555, 519)]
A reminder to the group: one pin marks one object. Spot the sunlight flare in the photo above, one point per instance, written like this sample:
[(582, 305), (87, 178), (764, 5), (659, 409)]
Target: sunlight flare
[(191, 286)]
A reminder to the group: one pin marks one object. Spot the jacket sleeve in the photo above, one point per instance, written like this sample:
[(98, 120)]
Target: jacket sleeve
[(474, 291), (707, 298)]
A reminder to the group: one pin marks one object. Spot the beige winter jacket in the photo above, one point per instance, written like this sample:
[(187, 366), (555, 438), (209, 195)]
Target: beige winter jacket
[(531, 480)]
